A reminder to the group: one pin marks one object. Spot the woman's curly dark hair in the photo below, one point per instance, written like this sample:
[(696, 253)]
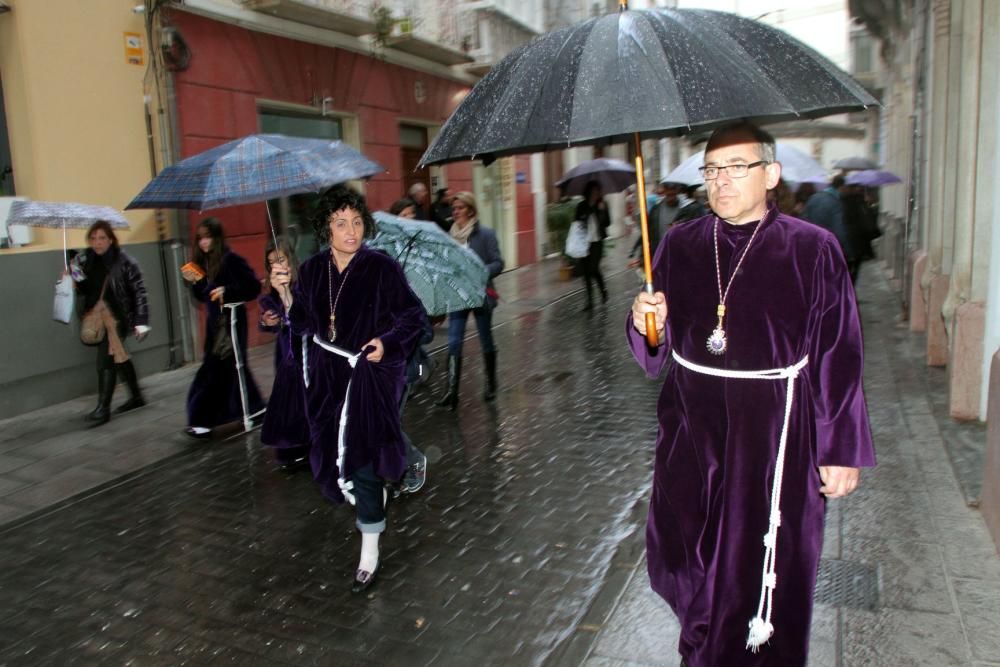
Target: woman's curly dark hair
[(336, 199)]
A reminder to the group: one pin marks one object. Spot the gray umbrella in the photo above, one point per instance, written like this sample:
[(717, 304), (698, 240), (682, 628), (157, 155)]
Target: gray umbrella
[(612, 175), (856, 162), (63, 215), (657, 72)]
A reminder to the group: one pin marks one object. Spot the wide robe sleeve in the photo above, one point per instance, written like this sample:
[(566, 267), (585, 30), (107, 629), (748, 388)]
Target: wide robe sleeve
[(652, 361), (270, 301), (238, 278), (836, 362)]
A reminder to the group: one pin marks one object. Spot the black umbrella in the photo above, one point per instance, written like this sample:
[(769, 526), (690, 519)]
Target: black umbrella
[(642, 74)]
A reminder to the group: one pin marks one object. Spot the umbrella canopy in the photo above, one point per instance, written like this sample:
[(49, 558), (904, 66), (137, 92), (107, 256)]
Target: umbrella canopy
[(657, 72), (59, 214), (254, 169), (444, 275), (856, 162), (612, 175), (872, 178), (796, 167)]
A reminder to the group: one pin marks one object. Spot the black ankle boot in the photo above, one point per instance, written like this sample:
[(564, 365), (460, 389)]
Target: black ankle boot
[(102, 415), (490, 362), (450, 399), (127, 372)]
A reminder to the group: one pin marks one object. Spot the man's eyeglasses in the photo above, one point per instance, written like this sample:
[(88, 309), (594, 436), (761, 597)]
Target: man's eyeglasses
[(734, 170)]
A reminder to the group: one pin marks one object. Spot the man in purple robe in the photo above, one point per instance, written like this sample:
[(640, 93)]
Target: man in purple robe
[(762, 414)]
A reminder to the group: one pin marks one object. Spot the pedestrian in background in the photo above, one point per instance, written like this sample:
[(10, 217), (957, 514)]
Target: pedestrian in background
[(220, 276), (468, 231), (593, 213), (418, 193), (762, 415), (286, 428), (364, 321), (826, 209), (441, 210), (404, 208), (110, 281)]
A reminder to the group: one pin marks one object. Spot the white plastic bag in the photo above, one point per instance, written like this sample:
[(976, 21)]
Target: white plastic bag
[(62, 307), (577, 245)]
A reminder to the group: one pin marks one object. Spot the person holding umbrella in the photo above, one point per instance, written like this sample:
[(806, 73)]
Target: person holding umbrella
[(364, 321), (593, 213), (285, 428), (467, 231), (218, 276), (110, 281), (762, 415)]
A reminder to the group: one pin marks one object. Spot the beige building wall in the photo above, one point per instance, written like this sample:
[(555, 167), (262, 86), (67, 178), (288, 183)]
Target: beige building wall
[(75, 110)]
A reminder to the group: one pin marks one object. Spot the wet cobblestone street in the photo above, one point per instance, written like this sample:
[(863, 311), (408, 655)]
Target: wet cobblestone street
[(214, 556)]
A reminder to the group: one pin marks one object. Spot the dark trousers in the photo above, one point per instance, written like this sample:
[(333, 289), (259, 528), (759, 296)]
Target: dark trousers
[(456, 329), (369, 499), (590, 267)]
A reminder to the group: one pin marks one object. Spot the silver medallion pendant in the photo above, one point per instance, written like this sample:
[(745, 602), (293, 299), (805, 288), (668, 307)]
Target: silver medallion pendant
[(332, 331), (716, 343)]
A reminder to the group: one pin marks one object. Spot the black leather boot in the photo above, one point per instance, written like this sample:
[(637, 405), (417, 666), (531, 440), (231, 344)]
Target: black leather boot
[(127, 372), (450, 399), (103, 413), (490, 362), (94, 414)]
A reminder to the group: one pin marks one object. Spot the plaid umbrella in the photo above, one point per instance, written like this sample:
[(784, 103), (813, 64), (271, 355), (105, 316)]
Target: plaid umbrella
[(444, 275), (254, 169)]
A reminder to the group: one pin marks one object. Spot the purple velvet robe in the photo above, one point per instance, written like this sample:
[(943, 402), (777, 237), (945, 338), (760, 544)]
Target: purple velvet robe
[(285, 423), (214, 396), (718, 438), (376, 302)]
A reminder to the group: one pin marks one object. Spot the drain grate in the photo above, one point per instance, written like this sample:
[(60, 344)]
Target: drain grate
[(844, 583)]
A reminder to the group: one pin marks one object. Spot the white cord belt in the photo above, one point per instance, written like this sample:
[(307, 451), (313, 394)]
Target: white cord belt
[(761, 627), (346, 486)]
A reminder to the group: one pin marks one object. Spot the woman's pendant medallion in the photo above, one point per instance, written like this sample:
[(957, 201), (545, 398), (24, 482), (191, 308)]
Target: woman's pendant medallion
[(332, 331), (716, 343)]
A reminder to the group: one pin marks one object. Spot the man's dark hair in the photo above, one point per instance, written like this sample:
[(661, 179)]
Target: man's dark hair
[(837, 182), (336, 199), (763, 139), (400, 204)]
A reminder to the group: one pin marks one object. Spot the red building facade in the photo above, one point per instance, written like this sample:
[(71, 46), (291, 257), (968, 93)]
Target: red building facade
[(234, 73)]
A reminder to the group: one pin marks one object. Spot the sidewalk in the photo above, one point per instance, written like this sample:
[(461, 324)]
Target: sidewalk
[(909, 574)]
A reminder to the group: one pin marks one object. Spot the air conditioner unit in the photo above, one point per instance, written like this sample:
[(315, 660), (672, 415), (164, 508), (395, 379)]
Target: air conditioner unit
[(15, 235)]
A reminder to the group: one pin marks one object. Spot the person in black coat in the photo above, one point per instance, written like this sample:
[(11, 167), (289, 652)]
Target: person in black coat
[(593, 212), (105, 273), (224, 277), (467, 231)]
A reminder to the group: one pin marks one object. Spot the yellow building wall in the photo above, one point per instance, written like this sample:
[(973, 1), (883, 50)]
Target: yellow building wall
[(74, 107)]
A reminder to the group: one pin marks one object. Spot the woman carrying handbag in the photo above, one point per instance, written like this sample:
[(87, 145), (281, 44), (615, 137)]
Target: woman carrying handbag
[(114, 304)]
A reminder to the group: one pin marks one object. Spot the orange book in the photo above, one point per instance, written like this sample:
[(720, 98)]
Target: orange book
[(191, 266)]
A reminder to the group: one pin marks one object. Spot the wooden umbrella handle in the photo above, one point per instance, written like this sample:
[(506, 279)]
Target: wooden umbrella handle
[(652, 337)]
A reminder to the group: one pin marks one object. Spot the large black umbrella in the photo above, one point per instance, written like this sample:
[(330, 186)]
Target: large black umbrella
[(642, 74)]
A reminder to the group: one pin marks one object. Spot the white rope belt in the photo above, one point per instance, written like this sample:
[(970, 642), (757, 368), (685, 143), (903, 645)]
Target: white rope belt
[(346, 486), (761, 627)]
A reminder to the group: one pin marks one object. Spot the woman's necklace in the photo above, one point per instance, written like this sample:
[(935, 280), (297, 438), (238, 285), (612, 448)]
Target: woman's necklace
[(332, 331), (717, 341)]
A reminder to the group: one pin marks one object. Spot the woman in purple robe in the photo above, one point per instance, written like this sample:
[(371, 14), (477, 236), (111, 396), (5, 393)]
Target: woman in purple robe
[(224, 277), (364, 321), (762, 408), (286, 428)]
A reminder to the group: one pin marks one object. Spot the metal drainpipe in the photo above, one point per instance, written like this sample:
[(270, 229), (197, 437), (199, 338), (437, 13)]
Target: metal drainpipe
[(168, 139), (161, 243)]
